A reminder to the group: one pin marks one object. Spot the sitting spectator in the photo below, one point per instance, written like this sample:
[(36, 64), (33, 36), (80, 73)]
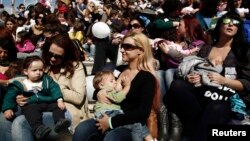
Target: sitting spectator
[(10, 24), (23, 42), (61, 61), (78, 31), (44, 95), (197, 110), (138, 102), (89, 46), (116, 92), (8, 61)]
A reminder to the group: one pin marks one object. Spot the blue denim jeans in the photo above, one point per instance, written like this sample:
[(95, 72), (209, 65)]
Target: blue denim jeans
[(87, 131), (5, 128), (138, 131), (20, 130), (90, 49), (161, 78), (169, 77)]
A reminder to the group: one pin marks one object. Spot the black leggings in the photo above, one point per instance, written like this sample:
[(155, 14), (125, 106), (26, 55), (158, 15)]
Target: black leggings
[(186, 102)]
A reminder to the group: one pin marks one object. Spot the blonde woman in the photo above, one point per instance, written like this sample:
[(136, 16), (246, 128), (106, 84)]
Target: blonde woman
[(142, 96), (87, 13)]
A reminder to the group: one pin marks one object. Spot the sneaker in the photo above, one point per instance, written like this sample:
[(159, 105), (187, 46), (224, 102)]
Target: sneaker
[(42, 131), (62, 125)]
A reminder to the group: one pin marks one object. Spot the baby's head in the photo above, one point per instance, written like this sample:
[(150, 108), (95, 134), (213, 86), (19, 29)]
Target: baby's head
[(104, 80), (33, 68)]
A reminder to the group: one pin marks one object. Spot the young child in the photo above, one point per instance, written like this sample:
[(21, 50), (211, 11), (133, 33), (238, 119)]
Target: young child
[(23, 42), (44, 95), (116, 92)]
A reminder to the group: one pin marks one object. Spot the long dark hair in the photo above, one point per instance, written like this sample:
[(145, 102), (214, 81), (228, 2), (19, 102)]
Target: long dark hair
[(71, 54), (208, 8), (239, 45), (7, 43)]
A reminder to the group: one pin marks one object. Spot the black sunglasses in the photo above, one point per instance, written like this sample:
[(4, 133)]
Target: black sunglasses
[(135, 26), (39, 17), (128, 47), (56, 56)]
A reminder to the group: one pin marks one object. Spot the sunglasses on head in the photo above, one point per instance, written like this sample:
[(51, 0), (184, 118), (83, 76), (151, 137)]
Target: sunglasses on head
[(135, 26), (56, 56), (128, 47), (232, 21)]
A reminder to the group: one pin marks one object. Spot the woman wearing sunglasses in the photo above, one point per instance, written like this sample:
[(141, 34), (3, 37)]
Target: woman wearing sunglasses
[(196, 111), (62, 62), (136, 25), (136, 51)]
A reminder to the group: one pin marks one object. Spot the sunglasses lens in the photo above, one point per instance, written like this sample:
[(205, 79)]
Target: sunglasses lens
[(128, 46), (129, 26), (56, 56), (234, 22), (135, 26), (226, 21)]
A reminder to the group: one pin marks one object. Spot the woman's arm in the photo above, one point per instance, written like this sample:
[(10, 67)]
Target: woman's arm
[(243, 75), (75, 93), (219, 79), (4, 82), (161, 24)]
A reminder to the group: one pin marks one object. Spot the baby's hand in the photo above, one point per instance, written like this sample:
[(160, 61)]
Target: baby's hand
[(8, 114), (126, 81), (164, 47), (194, 50), (61, 104)]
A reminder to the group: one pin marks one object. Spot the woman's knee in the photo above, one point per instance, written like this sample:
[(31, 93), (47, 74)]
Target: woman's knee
[(169, 77), (21, 130), (5, 128), (218, 107), (118, 134), (85, 130)]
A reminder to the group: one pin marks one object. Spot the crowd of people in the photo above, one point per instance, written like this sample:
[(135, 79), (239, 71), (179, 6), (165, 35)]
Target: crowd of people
[(43, 76)]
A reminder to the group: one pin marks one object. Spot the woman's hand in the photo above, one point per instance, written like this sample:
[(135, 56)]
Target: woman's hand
[(8, 114), (21, 100), (103, 123), (217, 78), (102, 97), (61, 104), (194, 78), (116, 41)]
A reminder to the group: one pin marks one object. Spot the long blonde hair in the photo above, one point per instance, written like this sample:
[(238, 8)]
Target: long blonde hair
[(146, 62)]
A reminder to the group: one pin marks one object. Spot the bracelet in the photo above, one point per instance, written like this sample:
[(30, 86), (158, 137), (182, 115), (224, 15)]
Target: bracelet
[(110, 125)]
